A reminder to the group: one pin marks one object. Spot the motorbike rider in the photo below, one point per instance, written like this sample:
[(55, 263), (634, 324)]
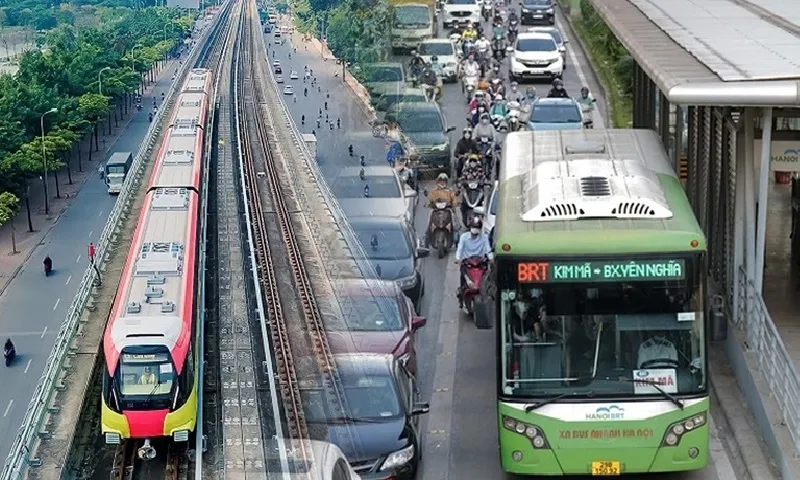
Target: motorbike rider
[(416, 64), (472, 170), (476, 115), (512, 17), (466, 145), (497, 87), (514, 95), (483, 46), (498, 31), (485, 129), (470, 70), (588, 104), (473, 243), (442, 193), (8, 347), (478, 100), (469, 33), (558, 90), (429, 79), (499, 108), (438, 69), (48, 263)]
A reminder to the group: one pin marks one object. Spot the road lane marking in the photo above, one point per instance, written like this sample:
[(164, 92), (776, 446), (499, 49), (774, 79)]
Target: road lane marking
[(56, 305), (90, 233), (70, 278), (99, 214), (10, 402), (44, 332), (28, 366), (78, 259)]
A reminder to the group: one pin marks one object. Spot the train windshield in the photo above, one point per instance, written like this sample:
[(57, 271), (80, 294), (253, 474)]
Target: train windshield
[(145, 377)]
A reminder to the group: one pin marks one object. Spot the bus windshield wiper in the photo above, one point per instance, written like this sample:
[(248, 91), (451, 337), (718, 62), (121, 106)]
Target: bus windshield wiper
[(657, 386), (547, 401)]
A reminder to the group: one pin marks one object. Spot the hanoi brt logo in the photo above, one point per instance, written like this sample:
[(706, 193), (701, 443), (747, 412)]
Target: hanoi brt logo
[(611, 412)]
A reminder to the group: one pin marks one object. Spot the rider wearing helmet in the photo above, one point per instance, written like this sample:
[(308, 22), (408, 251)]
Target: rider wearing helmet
[(485, 129), (466, 145), (499, 108), (473, 170), (473, 243), (469, 33), (478, 99), (442, 192), (558, 90), (483, 45), (587, 101), (416, 64)]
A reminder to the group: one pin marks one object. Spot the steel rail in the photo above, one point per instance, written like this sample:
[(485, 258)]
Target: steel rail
[(49, 382)]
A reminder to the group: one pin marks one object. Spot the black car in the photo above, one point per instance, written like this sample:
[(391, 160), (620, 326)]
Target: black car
[(378, 430), (537, 12), (424, 124), (391, 247)]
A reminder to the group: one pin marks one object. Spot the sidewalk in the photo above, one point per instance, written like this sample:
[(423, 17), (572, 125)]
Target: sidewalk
[(10, 263)]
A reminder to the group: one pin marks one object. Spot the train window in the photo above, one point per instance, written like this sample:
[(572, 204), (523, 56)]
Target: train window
[(145, 374), (340, 471), (187, 377)]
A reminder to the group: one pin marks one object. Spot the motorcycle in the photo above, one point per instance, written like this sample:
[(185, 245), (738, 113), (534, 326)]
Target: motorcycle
[(469, 84), (499, 48), (514, 124), (473, 270), (431, 92), (473, 198), (9, 354), (588, 117), (513, 30), (48, 268), (440, 228), (486, 11)]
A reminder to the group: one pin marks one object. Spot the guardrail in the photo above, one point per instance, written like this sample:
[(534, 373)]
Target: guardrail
[(49, 383), (774, 361)]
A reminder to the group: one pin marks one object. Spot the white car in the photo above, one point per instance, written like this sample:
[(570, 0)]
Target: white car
[(560, 40), (278, 79), (535, 55), (445, 52), (460, 12), (288, 90), (294, 75)]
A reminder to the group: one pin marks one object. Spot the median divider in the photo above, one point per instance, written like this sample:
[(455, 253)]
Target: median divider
[(50, 382)]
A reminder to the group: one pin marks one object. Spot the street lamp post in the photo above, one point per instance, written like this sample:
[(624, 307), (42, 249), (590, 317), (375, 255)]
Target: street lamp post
[(133, 61), (44, 162), (100, 79)]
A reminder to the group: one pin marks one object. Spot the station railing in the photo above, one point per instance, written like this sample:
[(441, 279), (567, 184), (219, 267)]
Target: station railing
[(764, 339), (49, 383)]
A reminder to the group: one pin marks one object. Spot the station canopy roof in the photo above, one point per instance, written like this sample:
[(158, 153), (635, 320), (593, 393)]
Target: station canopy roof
[(713, 52)]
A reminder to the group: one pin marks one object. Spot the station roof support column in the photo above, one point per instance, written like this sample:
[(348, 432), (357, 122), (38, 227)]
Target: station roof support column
[(763, 187)]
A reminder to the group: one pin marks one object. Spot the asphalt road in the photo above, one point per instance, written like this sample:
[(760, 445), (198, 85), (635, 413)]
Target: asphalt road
[(34, 306), (456, 369)]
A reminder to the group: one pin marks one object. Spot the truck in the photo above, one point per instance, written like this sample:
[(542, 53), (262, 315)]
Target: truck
[(117, 167), (311, 143), (598, 298), (413, 21)]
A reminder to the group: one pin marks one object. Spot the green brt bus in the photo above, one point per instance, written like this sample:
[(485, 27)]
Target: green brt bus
[(599, 301)]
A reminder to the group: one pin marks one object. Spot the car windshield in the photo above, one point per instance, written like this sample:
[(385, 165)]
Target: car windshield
[(544, 113), (419, 121), (380, 186), (440, 49), (385, 74), (384, 242), (367, 397), (391, 99), (411, 16), (461, 2), (145, 374), (591, 327), (555, 34), (536, 3), (536, 45)]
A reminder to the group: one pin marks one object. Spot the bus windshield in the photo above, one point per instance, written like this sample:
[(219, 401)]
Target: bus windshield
[(602, 327)]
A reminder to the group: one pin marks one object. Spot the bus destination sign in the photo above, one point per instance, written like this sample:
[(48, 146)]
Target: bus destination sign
[(645, 270)]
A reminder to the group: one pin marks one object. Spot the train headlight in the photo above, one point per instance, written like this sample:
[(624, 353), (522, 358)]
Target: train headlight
[(113, 438), (677, 430), (181, 436), (531, 432)]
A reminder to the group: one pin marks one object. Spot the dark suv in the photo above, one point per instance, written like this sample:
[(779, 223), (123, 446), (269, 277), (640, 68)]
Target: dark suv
[(538, 12)]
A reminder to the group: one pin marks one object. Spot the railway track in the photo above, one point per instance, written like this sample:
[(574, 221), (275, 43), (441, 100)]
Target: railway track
[(172, 466), (297, 334)]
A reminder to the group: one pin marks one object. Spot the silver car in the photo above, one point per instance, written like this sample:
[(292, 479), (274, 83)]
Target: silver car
[(376, 188)]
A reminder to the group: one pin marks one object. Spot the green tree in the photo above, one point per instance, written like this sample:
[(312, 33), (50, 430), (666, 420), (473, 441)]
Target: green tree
[(9, 208), (93, 107)]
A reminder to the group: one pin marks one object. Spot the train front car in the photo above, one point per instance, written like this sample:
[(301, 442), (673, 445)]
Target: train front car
[(150, 382)]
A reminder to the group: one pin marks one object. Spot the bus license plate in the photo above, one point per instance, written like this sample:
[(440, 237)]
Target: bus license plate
[(605, 468)]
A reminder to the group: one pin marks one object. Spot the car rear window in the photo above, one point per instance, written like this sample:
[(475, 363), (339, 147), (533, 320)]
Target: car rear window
[(543, 113), (379, 187)]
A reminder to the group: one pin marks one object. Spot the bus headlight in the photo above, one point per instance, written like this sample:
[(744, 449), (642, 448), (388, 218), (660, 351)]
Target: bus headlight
[(531, 432), (675, 432)]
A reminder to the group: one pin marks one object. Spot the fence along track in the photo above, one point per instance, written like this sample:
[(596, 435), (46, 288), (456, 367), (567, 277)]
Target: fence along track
[(277, 243)]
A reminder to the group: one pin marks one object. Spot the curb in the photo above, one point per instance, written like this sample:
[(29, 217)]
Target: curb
[(566, 20), (64, 210), (745, 444)]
